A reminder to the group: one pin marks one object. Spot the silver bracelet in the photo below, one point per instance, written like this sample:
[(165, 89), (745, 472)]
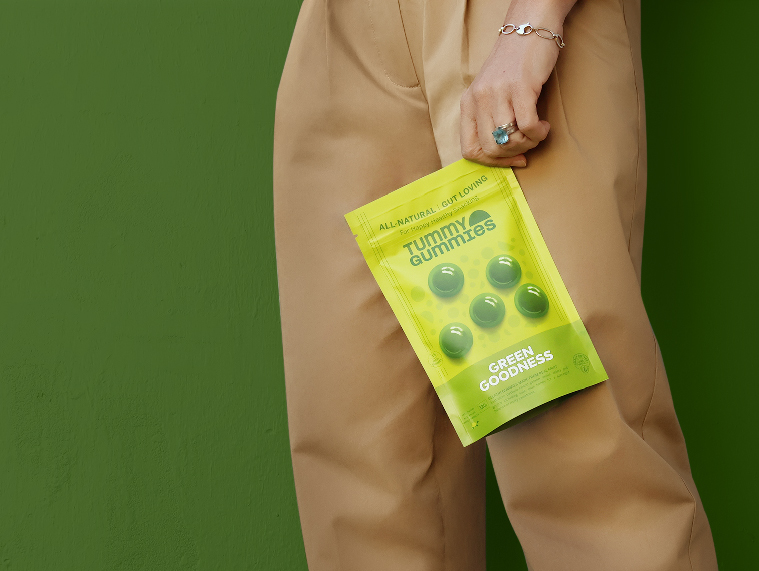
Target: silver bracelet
[(525, 29)]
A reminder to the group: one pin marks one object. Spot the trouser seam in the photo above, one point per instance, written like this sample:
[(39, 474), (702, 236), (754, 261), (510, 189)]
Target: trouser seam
[(637, 99), (642, 433), (653, 390), (382, 60), (629, 242), (408, 46), (437, 482)]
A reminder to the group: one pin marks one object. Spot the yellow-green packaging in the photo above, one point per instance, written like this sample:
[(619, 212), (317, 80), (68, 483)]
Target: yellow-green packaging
[(460, 258)]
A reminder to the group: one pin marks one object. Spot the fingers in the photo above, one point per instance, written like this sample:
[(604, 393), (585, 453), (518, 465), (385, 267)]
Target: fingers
[(488, 103), (523, 106), (526, 112), (482, 110), (470, 144), (477, 143), (515, 161), (485, 128)]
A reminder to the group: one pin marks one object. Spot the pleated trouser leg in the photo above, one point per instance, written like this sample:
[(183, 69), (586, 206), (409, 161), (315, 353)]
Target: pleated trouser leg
[(382, 480), (368, 102)]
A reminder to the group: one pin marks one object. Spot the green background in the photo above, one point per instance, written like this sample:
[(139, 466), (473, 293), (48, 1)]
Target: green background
[(142, 408)]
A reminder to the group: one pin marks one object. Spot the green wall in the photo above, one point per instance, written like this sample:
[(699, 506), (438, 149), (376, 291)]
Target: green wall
[(142, 421), (142, 408)]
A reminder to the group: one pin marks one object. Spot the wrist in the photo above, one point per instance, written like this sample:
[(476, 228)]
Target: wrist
[(539, 13)]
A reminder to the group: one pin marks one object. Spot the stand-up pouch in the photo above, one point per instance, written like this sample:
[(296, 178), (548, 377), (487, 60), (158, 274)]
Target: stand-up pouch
[(462, 263)]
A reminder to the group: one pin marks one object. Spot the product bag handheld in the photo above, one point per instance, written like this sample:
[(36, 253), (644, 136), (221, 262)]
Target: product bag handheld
[(461, 261)]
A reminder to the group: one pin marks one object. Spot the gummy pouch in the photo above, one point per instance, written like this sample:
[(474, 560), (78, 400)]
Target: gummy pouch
[(461, 261)]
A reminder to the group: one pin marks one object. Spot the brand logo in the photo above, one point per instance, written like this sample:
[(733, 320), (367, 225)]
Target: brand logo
[(447, 237)]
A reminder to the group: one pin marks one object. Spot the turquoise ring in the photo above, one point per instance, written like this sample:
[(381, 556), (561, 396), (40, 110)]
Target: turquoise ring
[(501, 134)]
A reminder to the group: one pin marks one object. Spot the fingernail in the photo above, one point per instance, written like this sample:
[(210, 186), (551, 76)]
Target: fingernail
[(521, 163)]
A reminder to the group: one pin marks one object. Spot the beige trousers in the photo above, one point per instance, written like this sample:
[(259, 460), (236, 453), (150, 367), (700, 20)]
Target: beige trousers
[(369, 101)]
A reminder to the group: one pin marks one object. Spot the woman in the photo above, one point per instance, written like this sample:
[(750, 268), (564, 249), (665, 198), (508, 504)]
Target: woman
[(376, 94)]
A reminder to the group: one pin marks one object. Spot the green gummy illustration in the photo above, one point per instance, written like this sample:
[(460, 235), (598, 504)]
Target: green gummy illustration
[(456, 340), (487, 310), (503, 272), (446, 280), (531, 301)]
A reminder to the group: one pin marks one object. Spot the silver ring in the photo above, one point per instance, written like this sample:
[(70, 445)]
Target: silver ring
[(502, 132)]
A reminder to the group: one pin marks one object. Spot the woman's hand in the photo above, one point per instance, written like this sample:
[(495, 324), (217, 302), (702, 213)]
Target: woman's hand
[(508, 85)]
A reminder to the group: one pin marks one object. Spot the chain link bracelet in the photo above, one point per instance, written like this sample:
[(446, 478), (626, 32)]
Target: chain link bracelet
[(525, 29)]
